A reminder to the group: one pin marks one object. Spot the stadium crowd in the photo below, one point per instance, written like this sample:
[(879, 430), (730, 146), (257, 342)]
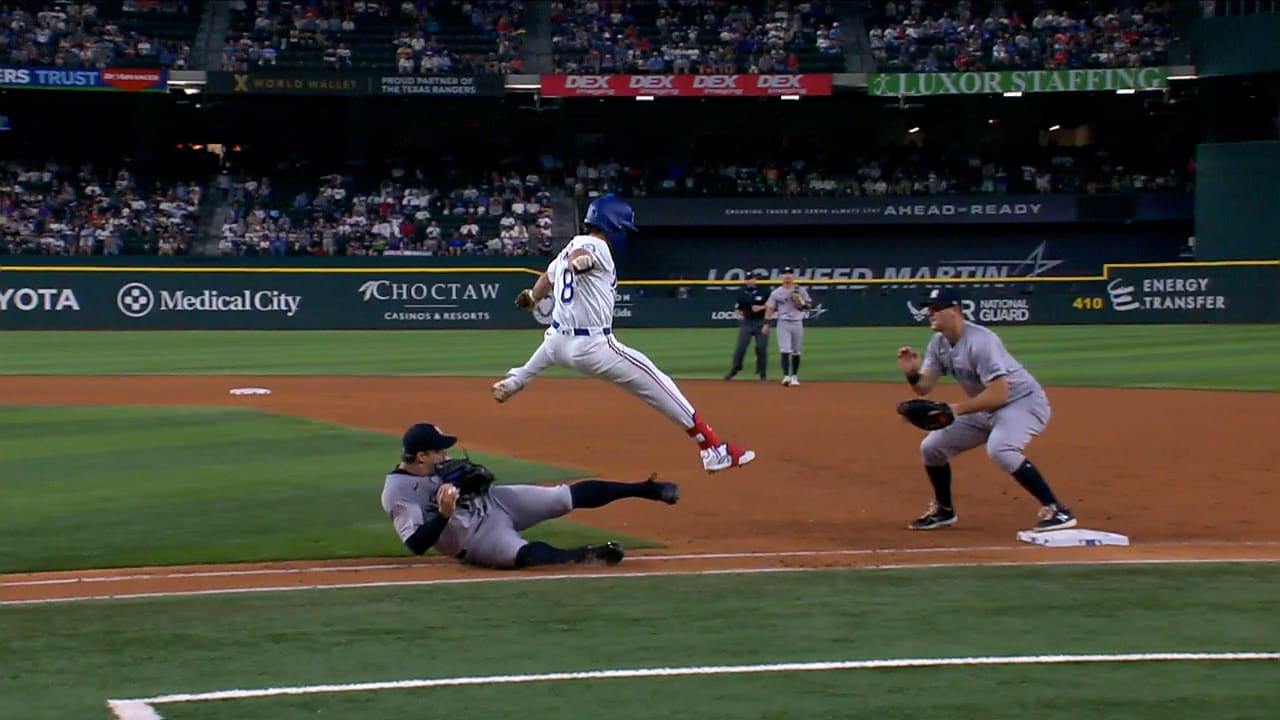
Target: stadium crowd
[(410, 37), (77, 35), (54, 209), (971, 35), (1051, 170), (692, 36), (499, 214)]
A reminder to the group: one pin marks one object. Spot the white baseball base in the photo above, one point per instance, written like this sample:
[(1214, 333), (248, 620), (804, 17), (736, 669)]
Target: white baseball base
[(1073, 537)]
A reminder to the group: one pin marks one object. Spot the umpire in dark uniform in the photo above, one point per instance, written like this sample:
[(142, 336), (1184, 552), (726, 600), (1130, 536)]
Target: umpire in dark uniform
[(749, 312)]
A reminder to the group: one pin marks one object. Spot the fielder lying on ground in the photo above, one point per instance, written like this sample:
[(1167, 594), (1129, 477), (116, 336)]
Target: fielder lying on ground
[(451, 505)]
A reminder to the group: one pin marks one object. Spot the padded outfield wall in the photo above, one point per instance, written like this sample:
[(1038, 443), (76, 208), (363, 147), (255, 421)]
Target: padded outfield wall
[(68, 297)]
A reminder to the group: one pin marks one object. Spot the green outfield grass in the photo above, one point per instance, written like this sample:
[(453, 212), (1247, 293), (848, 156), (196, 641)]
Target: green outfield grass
[(1234, 357), (75, 656), (86, 487)]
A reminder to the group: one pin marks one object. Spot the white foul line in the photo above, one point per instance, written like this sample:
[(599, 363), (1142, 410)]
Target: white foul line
[(140, 709), (622, 575)]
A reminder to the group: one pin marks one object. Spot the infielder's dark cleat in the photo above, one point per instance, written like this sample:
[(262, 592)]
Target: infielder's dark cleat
[(1054, 517), (666, 492), (730, 376), (935, 517), (607, 554)]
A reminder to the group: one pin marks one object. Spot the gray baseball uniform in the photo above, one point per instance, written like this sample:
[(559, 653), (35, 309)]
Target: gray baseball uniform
[(483, 530), (790, 318), (976, 359)]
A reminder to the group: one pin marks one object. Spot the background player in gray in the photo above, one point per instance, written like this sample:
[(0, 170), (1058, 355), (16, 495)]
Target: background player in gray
[(1006, 407), (485, 529), (750, 312), (789, 303)]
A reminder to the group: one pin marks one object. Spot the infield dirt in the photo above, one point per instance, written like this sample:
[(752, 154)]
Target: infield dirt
[(836, 480)]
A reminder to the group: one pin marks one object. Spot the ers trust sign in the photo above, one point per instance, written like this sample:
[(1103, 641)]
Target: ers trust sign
[(684, 85)]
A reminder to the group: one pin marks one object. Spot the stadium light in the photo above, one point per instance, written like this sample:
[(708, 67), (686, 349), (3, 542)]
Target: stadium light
[(1054, 127), (644, 98), (914, 130), (1126, 91), (790, 97), (1015, 93)]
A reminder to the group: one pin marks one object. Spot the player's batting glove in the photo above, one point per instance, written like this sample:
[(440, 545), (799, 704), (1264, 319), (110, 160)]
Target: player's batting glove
[(525, 300)]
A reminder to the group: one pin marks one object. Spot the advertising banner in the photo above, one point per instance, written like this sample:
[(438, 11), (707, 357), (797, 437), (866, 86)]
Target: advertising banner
[(61, 78), (862, 210), (125, 300), (332, 82), (684, 85), (846, 260), (1019, 81), (440, 85), (914, 210), (287, 82), (277, 300)]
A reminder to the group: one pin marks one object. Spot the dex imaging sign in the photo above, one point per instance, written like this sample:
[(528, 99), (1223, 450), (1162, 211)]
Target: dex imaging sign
[(138, 300)]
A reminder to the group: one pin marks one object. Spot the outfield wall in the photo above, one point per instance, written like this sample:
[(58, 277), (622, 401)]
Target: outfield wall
[(152, 298)]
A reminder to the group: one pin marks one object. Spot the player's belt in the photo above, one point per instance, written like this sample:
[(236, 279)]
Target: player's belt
[(581, 331)]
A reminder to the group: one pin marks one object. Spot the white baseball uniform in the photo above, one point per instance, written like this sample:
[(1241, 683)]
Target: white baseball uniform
[(581, 335)]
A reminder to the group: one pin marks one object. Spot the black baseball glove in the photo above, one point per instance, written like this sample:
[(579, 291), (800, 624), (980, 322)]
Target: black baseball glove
[(926, 414), (470, 478)]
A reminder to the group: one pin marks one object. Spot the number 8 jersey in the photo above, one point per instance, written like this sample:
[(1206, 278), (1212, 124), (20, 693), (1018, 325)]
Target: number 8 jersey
[(584, 300)]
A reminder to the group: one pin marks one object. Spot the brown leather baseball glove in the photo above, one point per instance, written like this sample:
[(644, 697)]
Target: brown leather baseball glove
[(525, 300), (926, 414)]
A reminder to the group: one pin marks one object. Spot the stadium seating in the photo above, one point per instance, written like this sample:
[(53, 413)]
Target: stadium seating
[(920, 36), (648, 36), (499, 214), (410, 37), (48, 208), (135, 33), (889, 171)]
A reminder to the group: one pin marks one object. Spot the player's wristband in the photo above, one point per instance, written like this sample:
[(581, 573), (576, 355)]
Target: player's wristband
[(913, 378)]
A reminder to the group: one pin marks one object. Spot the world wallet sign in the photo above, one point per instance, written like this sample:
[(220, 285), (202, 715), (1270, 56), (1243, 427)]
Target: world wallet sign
[(601, 86)]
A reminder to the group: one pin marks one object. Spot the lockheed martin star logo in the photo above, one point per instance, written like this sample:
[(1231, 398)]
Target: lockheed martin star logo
[(1035, 261)]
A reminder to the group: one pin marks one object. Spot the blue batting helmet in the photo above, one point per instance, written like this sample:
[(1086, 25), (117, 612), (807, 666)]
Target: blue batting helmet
[(612, 215)]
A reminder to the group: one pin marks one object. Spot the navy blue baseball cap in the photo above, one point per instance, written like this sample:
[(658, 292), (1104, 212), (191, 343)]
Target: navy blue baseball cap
[(425, 437), (940, 298)]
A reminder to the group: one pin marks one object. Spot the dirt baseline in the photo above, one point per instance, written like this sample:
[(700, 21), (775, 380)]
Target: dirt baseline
[(836, 471)]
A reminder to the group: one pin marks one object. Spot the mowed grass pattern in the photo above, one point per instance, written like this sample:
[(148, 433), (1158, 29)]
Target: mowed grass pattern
[(142, 648), (1226, 357), (87, 487)]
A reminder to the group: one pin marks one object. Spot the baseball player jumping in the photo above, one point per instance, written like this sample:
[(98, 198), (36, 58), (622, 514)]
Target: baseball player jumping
[(452, 505), (789, 303), (1006, 407), (583, 278)]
